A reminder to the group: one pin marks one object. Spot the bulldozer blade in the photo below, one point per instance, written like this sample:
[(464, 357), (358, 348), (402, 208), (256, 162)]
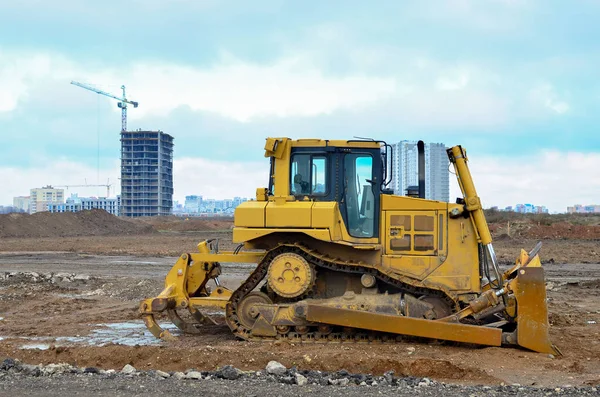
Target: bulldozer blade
[(532, 312), (155, 329), (404, 325)]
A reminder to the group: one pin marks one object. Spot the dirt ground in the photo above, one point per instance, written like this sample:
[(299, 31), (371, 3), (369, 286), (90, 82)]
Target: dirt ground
[(74, 300), (49, 315)]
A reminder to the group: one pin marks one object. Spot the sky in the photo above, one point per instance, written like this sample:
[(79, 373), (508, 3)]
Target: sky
[(515, 82)]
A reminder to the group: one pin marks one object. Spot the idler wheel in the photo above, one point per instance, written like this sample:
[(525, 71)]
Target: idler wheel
[(247, 311)]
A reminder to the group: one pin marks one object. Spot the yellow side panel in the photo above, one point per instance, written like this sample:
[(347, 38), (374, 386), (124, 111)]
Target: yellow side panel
[(460, 270), (457, 284), (417, 267), (242, 235), (326, 215), (402, 203), (250, 214), (289, 214)]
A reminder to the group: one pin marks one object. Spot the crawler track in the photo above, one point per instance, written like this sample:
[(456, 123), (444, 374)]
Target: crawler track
[(348, 335)]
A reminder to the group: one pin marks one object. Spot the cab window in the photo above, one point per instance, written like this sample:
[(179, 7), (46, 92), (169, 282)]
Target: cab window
[(358, 193), (308, 175)]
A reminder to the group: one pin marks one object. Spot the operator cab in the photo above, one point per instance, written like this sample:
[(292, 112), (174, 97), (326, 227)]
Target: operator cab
[(352, 173)]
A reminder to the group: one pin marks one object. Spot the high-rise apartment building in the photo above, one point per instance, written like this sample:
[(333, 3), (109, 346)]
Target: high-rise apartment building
[(39, 198), (146, 173), (406, 169)]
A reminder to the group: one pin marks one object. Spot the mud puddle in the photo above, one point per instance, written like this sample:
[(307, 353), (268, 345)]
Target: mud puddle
[(129, 333)]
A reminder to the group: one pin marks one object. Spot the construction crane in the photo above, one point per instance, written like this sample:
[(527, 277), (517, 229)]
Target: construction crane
[(107, 186), (123, 101)]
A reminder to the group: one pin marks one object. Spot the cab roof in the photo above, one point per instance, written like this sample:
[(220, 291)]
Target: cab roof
[(274, 146)]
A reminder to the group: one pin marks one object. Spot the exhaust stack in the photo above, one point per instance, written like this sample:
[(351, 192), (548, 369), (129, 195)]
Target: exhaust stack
[(421, 150)]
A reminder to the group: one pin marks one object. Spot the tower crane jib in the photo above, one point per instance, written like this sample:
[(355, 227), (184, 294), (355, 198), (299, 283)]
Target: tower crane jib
[(123, 101)]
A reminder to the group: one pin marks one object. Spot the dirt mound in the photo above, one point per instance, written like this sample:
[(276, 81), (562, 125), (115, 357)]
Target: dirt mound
[(187, 224), (68, 224), (564, 230), (530, 229)]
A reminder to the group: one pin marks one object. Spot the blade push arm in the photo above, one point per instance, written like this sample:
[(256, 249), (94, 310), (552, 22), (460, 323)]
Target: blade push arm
[(458, 158)]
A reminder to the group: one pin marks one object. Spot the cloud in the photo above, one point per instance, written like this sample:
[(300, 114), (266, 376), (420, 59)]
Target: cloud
[(19, 72), (546, 96), (457, 82), (237, 89), (551, 178), (295, 85), (243, 90), (421, 93), (500, 16)]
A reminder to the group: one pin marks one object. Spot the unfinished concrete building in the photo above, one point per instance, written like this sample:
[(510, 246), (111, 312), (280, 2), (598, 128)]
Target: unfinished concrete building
[(146, 173)]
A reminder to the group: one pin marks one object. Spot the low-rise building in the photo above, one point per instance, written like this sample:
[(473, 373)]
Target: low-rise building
[(9, 209), (76, 204), (584, 209)]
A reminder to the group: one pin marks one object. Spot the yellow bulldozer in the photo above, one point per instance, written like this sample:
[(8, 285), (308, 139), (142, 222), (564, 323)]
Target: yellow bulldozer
[(340, 258)]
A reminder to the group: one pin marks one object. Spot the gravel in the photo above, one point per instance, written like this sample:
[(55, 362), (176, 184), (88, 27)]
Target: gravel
[(53, 379), (52, 278)]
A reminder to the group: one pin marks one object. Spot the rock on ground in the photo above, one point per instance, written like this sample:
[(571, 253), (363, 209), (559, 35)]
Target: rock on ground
[(193, 375), (162, 374), (301, 380), (229, 372), (128, 370), (275, 368)]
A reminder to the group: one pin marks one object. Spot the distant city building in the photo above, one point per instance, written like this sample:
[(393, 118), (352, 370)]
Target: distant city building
[(40, 198), (406, 170), (10, 209), (197, 205), (237, 201), (530, 209), (177, 208), (21, 203), (584, 209), (76, 204), (146, 173), (192, 204)]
